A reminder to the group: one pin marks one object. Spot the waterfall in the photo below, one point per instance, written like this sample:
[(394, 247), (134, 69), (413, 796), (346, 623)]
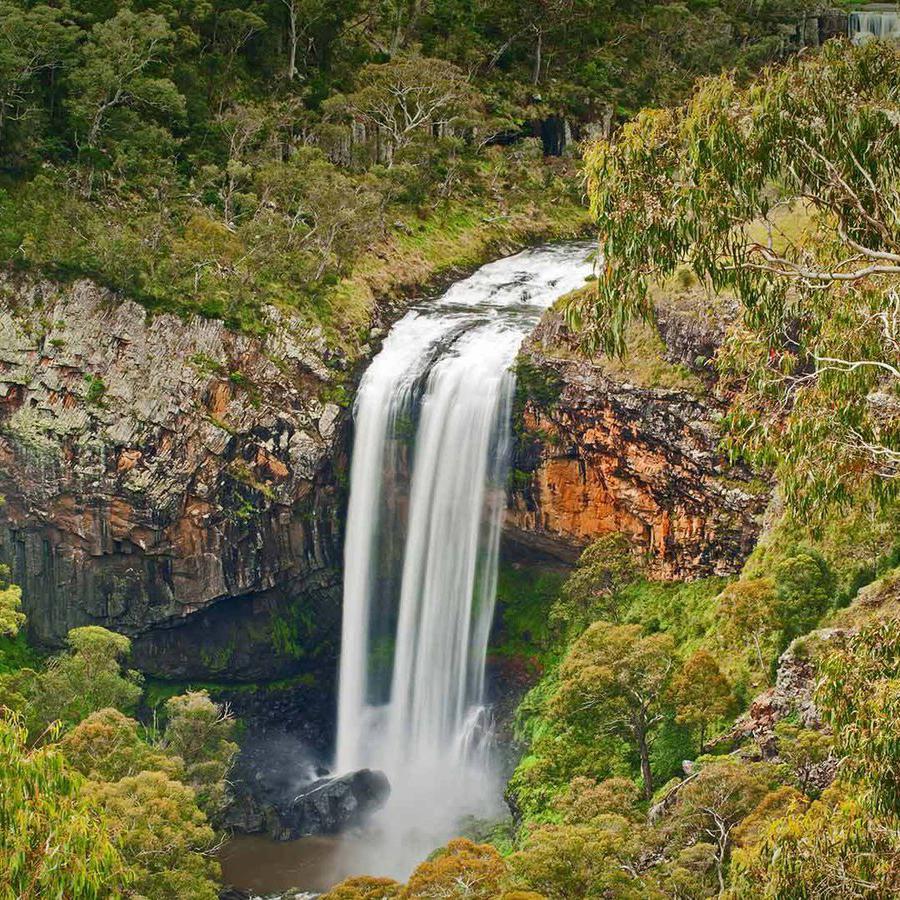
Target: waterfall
[(867, 25), (427, 497)]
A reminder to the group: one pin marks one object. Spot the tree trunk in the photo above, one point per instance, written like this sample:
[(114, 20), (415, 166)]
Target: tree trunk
[(762, 666), (722, 853), (229, 192), (293, 38), (536, 74), (644, 753), (608, 114)]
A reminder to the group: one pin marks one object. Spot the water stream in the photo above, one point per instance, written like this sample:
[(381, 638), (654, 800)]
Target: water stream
[(427, 495)]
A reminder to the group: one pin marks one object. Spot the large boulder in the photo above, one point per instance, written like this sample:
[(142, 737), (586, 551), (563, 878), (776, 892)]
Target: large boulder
[(330, 805), (279, 786)]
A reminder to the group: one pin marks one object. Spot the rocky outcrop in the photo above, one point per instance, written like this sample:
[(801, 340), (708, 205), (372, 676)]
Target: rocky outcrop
[(599, 452), (692, 328), (172, 480), (793, 694), (330, 805), (790, 696), (182, 483), (325, 805)]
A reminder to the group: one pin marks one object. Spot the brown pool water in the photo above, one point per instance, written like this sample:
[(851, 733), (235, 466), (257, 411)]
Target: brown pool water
[(256, 863)]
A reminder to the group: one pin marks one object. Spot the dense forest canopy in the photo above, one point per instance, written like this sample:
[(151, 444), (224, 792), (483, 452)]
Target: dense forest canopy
[(73, 69), (218, 156)]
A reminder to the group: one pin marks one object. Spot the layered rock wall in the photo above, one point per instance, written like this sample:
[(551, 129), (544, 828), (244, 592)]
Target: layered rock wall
[(183, 484), (597, 452), (155, 471)]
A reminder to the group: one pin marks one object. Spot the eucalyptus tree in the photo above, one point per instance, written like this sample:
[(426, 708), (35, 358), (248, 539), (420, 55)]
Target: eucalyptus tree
[(11, 616), (702, 694), (34, 42), (121, 89), (54, 839), (784, 194), (846, 843), (409, 97), (615, 681)]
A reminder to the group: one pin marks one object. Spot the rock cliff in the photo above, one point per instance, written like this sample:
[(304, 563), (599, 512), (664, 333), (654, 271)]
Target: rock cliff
[(172, 480), (602, 447)]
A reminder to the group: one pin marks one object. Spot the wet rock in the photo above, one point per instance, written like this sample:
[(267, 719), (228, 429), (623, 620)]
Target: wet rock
[(279, 786), (231, 893), (272, 768), (330, 805), (244, 815)]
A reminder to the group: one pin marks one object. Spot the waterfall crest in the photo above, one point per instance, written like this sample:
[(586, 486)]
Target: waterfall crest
[(427, 496)]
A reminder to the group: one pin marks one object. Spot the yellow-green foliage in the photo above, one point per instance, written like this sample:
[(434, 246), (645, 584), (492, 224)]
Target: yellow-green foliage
[(594, 589), (615, 680), (689, 186), (606, 582), (702, 694), (54, 837), (834, 849), (858, 543), (799, 576), (714, 803), (846, 843), (586, 799), (803, 750), (11, 616), (643, 362), (157, 827), (781, 802), (365, 887), (87, 678), (99, 810), (878, 601), (860, 695), (106, 746), (270, 255), (461, 862), (724, 638), (199, 733), (748, 617), (563, 862)]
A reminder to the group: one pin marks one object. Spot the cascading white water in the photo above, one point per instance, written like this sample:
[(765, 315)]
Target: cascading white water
[(869, 25), (427, 495)]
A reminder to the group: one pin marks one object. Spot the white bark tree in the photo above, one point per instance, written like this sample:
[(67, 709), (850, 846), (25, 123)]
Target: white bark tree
[(411, 95)]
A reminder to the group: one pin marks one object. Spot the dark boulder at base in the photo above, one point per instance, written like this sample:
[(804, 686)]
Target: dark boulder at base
[(273, 767), (330, 805)]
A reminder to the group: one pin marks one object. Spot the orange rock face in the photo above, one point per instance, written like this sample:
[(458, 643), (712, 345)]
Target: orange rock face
[(612, 457)]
